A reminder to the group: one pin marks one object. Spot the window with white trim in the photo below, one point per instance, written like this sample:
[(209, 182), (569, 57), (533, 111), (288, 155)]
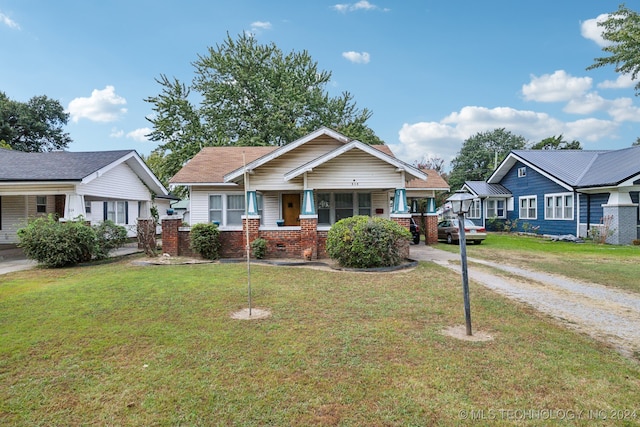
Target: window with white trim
[(495, 208), (528, 207), (558, 206), (522, 172), (226, 209), (475, 210), (117, 212), (332, 207), (41, 204)]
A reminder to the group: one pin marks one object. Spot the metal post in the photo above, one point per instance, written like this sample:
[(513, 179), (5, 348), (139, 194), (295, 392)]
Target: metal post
[(465, 275)]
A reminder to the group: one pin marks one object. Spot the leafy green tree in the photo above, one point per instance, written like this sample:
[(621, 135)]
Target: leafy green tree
[(556, 143), (637, 142), (249, 94), (480, 154), (33, 126), (622, 29)]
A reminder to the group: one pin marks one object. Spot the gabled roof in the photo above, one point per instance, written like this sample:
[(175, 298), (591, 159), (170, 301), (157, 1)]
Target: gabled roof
[(279, 151), (66, 166), (576, 168), (357, 145), (484, 189)]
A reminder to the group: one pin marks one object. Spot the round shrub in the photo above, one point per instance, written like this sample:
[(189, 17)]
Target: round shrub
[(204, 239), (56, 243), (366, 242), (259, 248)]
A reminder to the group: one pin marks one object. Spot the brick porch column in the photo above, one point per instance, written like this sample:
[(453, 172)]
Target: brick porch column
[(405, 221), (309, 234), (170, 240), (431, 225), (253, 222)]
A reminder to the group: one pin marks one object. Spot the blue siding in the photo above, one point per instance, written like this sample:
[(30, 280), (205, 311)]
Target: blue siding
[(596, 212), (536, 184)]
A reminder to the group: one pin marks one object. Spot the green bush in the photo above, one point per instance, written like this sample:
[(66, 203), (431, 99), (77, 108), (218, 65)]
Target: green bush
[(57, 244), (109, 236), (259, 248), (205, 240), (365, 242)]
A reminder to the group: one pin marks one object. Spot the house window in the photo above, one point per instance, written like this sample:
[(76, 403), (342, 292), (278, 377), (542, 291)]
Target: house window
[(227, 209), (332, 207), (87, 207), (344, 205), (475, 210), (522, 172), (528, 207), (41, 204), (117, 212), (558, 206), (495, 208)]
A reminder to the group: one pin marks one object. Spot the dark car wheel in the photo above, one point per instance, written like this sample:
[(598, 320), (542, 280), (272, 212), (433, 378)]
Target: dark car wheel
[(449, 239), (416, 239)]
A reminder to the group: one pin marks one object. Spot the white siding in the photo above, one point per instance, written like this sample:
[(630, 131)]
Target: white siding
[(38, 189), (118, 183), (380, 200), (354, 170), (13, 217), (270, 209), (271, 175), (199, 200)]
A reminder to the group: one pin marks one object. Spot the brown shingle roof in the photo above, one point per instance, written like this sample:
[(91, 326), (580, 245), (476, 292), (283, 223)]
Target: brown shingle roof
[(434, 181), (211, 164)]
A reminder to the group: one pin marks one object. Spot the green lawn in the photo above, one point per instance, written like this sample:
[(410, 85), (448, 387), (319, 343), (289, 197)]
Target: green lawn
[(609, 265), (118, 344)]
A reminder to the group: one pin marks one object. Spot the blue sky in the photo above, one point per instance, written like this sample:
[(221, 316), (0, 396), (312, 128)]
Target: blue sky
[(433, 73)]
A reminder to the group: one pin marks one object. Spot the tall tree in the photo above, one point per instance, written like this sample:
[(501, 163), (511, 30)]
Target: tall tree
[(34, 126), (556, 143), (250, 94), (622, 29), (479, 155), (431, 162)]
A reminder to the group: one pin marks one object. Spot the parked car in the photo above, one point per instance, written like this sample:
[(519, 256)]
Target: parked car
[(448, 230), (415, 232)]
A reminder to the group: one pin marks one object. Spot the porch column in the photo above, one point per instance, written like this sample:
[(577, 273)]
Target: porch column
[(252, 203), (400, 202), (308, 204), (624, 214), (74, 206)]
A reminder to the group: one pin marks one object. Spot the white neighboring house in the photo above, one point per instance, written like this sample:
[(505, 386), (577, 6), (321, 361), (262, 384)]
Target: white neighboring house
[(99, 185)]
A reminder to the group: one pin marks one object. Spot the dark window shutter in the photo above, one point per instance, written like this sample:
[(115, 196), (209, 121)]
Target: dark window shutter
[(104, 211), (126, 212)]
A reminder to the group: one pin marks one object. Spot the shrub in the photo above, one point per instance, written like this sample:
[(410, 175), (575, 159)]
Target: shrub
[(205, 240), (259, 248), (109, 236), (57, 244), (365, 242)]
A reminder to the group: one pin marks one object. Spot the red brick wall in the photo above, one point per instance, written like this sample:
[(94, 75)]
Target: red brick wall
[(405, 222), (170, 236)]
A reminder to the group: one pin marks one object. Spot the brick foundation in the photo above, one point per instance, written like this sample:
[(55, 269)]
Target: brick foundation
[(431, 222)]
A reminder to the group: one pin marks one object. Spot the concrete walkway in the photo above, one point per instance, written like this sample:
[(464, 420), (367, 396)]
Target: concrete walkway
[(607, 314)]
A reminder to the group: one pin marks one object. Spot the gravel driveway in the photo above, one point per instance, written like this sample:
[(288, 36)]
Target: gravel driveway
[(606, 314)]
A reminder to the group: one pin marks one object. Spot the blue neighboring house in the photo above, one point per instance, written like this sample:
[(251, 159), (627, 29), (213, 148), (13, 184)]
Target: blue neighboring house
[(561, 192)]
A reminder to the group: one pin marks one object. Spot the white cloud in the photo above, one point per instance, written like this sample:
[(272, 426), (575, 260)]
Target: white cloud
[(359, 5), (556, 87), (116, 133), (622, 82), (140, 134), (357, 57), (4, 19), (445, 138), (102, 106), (259, 26), (591, 31)]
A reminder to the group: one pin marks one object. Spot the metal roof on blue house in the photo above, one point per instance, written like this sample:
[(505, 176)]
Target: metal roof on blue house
[(577, 168)]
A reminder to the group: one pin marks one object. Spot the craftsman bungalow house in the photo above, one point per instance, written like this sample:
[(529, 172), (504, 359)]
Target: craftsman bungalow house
[(295, 192), (558, 192), (95, 186)]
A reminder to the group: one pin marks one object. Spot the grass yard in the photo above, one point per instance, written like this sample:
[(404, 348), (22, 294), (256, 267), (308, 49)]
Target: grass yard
[(609, 265), (118, 344)]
